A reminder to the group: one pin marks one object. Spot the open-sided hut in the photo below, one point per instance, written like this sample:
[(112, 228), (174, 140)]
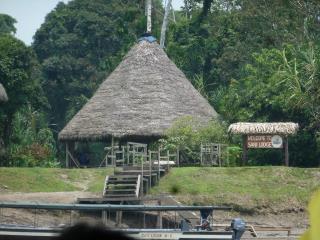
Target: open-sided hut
[(3, 94), (139, 100), (265, 135)]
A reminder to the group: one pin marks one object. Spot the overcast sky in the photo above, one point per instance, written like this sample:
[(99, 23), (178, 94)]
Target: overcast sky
[(30, 14)]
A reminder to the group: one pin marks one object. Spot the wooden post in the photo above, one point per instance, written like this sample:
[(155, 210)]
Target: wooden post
[(168, 159), (286, 151), (201, 155), (245, 150), (159, 156), (112, 152), (67, 155), (159, 220), (178, 157), (150, 170), (219, 154), (104, 217), (142, 179)]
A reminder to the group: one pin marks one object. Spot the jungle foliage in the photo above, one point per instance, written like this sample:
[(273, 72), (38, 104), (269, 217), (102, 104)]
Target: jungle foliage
[(253, 61), (256, 61)]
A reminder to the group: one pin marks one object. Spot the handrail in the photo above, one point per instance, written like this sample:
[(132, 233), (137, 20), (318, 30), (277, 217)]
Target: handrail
[(105, 185), (138, 185), (59, 206)]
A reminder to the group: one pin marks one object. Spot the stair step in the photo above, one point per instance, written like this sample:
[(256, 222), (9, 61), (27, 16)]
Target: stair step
[(116, 184), (138, 168), (122, 191), (122, 182), (120, 195), (133, 172), (122, 176)]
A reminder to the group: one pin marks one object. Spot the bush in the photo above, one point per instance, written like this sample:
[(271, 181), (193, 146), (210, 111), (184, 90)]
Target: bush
[(31, 143), (188, 133), (234, 155)]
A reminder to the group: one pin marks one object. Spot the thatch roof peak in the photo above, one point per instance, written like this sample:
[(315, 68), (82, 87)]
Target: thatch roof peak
[(144, 95), (3, 94), (282, 128)]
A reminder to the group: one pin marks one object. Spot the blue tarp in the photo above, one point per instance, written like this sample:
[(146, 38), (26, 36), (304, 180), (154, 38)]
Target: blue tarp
[(149, 39)]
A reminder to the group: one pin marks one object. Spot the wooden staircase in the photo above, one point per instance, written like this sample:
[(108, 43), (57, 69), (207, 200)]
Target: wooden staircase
[(120, 188), (131, 183)]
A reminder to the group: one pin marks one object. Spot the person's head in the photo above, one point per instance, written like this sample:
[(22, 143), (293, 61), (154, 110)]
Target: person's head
[(86, 231)]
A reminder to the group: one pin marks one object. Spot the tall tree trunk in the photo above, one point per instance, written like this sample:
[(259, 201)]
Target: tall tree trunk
[(165, 24), (149, 7)]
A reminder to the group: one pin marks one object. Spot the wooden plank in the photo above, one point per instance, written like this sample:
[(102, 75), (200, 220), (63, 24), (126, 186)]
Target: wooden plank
[(73, 159)]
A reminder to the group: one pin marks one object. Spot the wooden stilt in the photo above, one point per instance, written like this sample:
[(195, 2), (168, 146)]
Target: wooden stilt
[(178, 157), (159, 156), (150, 171), (67, 155), (159, 220), (168, 159), (104, 217), (70, 154), (112, 152), (245, 149), (201, 158), (142, 179), (286, 152)]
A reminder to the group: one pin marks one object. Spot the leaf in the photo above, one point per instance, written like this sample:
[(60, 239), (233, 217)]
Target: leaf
[(313, 233)]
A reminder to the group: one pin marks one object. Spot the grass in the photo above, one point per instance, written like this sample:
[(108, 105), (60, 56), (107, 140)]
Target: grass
[(52, 179), (245, 188)]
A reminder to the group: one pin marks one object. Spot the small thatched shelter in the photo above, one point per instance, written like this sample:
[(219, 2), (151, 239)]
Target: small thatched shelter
[(143, 96), (3, 94), (265, 135), (281, 128)]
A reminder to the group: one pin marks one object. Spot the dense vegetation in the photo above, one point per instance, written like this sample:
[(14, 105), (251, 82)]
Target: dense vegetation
[(253, 61)]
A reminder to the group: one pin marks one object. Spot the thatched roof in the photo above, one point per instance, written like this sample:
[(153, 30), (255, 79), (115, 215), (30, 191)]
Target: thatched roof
[(282, 128), (144, 95), (3, 94)]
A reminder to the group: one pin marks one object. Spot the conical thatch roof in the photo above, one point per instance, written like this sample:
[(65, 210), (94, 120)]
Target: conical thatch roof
[(144, 95), (3, 94)]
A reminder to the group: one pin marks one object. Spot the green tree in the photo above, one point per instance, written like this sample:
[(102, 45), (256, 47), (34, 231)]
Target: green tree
[(80, 43), (18, 74), (7, 24), (280, 85)]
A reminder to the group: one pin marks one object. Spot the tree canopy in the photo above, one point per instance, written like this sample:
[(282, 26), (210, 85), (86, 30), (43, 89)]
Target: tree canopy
[(7, 24), (253, 61), (79, 44)]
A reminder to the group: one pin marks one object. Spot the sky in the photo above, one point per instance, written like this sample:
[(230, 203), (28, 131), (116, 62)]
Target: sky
[(30, 14)]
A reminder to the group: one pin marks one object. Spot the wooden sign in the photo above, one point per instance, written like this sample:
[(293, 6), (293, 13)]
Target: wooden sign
[(264, 141)]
